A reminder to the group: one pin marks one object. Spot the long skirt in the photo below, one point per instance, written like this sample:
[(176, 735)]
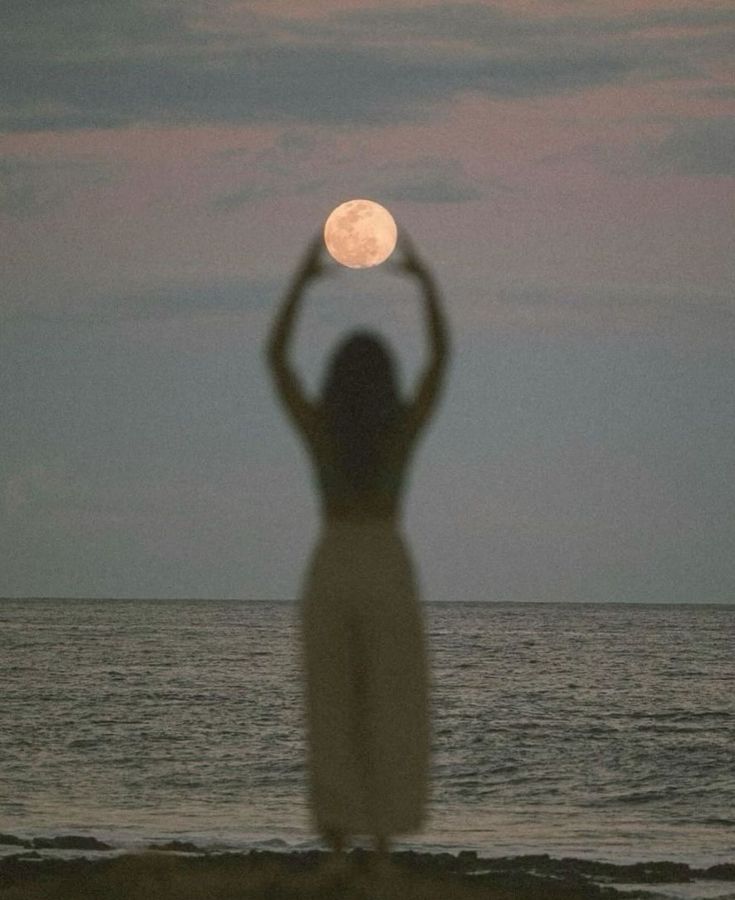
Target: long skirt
[(365, 668)]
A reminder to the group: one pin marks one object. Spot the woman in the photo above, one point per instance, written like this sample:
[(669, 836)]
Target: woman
[(363, 642)]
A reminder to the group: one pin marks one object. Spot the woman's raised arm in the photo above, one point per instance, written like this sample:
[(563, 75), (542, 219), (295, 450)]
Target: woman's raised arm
[(287, 382), (424, 401)]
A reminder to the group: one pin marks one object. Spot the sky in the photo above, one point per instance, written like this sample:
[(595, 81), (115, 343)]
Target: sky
[(566, 167)]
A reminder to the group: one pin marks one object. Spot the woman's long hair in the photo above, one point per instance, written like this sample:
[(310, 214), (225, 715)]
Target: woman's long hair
[(361, 405)]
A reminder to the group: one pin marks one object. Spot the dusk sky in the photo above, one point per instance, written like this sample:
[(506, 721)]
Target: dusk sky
[(566, 168)]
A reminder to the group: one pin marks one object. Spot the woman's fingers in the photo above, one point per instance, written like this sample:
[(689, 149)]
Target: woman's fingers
[(409, 260)]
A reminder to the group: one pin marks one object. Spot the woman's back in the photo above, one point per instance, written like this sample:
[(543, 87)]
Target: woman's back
[(378, 494)]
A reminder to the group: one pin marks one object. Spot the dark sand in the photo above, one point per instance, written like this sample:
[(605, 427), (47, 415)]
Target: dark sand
[(168, 874)]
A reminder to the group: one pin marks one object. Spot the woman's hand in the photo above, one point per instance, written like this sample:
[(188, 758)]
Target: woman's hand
[(409, 261), (312, 265), (424, 401)]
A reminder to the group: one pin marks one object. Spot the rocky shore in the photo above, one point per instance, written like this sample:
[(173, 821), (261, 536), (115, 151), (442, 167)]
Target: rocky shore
[(181, 871)]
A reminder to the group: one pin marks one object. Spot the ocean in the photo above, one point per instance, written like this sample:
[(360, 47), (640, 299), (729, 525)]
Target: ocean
[(598, 731)]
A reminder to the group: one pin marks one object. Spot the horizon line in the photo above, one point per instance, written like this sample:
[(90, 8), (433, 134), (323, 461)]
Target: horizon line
[(293, 601)]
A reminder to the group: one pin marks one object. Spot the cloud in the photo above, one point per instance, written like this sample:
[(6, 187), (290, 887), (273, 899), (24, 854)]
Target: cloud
[(485, 26), (28, 187), (69, 27), (719, 92), (253, 190), (427, 181), (97, 64), (283, 85), (702, 147), (248, 192), (286, 167)]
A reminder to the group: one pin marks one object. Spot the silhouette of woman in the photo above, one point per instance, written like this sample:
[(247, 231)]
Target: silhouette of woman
[(363, 641)]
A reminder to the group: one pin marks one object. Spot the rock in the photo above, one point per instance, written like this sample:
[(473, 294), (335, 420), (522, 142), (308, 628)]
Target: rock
[(69, 842), (723, 871), (42, 843), (12, 840), (656, 873)]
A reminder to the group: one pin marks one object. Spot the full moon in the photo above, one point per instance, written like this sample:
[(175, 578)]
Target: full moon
[(360, 234)]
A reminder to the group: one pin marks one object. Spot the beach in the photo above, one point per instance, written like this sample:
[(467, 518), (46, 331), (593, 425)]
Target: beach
[(74, 867)]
